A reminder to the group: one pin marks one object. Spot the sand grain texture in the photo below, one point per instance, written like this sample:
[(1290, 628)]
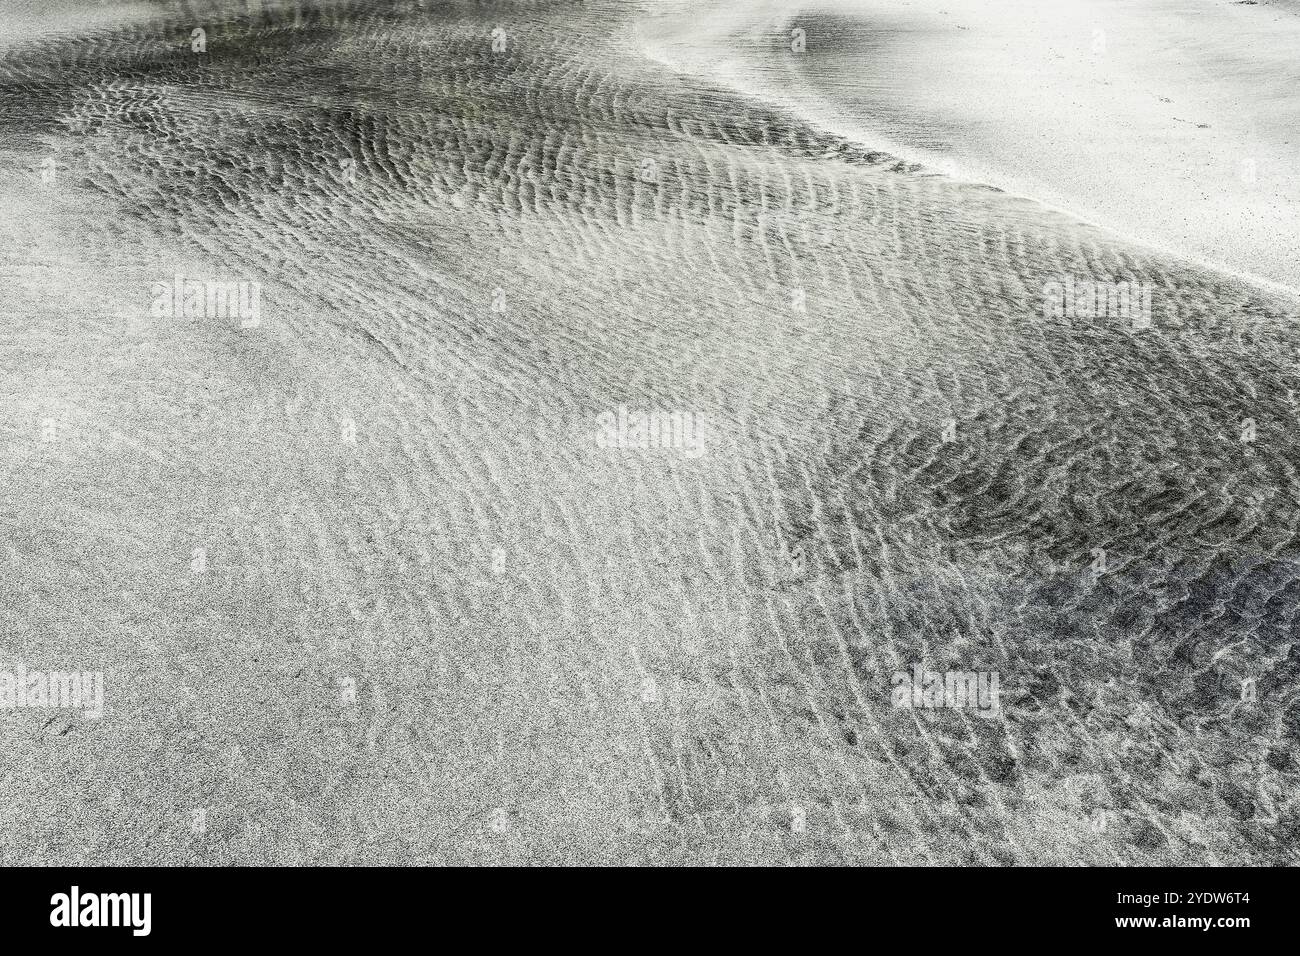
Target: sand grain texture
[(564, 653)]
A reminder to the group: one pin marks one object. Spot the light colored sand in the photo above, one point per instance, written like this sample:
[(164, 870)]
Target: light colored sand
[(22, 21), (1176, 122)]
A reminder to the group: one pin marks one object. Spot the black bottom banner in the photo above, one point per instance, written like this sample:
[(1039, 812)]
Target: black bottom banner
[(134, 907)]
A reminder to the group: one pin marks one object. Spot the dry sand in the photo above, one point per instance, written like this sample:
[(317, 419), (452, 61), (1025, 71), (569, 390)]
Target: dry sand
[(1174, 122)]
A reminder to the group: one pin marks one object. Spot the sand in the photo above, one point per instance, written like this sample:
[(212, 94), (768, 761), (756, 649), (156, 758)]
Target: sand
[(365, 587), (1172, 122)]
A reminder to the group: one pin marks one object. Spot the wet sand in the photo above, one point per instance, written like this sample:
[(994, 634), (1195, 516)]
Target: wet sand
[(366, 588)]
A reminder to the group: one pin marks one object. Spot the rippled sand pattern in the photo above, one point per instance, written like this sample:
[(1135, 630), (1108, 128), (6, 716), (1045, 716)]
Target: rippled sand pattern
[(566, 653)]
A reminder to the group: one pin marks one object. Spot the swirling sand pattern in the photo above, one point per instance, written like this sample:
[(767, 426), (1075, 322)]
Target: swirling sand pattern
[(564, 653)]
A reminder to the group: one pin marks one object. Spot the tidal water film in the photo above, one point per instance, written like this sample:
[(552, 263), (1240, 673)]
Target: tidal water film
[(649, 431)]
